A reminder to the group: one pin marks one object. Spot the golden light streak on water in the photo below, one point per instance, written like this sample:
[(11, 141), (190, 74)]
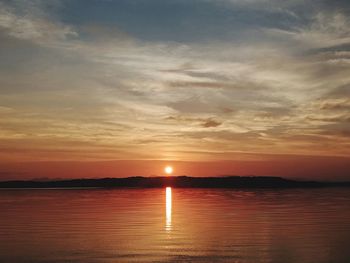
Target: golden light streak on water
[(168, 204)]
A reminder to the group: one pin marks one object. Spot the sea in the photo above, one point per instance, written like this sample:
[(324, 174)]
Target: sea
[(175, 225)]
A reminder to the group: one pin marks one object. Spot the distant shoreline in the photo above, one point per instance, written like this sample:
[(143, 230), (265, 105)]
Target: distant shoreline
[(173, 181)]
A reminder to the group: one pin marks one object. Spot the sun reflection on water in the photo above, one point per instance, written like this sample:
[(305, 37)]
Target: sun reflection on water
[(168, 207)]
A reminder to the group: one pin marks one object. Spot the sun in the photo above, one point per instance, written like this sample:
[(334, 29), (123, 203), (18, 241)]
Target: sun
[(168, 170)]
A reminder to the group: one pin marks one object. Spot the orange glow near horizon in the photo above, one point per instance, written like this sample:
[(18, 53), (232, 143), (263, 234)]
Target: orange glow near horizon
[(168, 207), (313, 168)]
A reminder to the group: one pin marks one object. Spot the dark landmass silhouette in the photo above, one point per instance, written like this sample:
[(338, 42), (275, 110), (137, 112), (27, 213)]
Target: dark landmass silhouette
[(175, 181)]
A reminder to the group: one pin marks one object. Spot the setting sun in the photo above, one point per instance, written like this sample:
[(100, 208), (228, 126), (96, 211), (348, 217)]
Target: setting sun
[(168, 170)]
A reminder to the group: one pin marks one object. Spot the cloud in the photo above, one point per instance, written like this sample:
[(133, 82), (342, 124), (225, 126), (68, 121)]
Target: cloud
[(325, 30), (24, 23), (103, 90), (336, 104), (211, 123), (203, 122)]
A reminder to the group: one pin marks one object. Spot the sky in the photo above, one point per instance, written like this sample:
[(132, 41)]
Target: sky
[(96, 88)]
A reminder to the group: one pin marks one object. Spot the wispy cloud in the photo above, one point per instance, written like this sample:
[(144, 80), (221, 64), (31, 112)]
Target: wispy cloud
[(25, 20), (103, 90)]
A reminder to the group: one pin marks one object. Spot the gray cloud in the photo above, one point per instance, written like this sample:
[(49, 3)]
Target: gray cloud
[(211, 123), (340, 104)]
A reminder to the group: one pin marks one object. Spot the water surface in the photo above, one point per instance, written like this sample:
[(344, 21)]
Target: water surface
[(175, 225)]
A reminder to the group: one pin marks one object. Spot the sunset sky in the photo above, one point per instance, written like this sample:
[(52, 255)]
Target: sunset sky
[(96, 88)]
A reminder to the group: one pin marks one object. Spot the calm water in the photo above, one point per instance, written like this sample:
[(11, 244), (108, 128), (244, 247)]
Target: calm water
[(175, 225)]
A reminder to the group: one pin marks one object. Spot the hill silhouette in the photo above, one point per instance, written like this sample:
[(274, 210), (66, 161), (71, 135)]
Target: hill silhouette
[(175, 181)]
